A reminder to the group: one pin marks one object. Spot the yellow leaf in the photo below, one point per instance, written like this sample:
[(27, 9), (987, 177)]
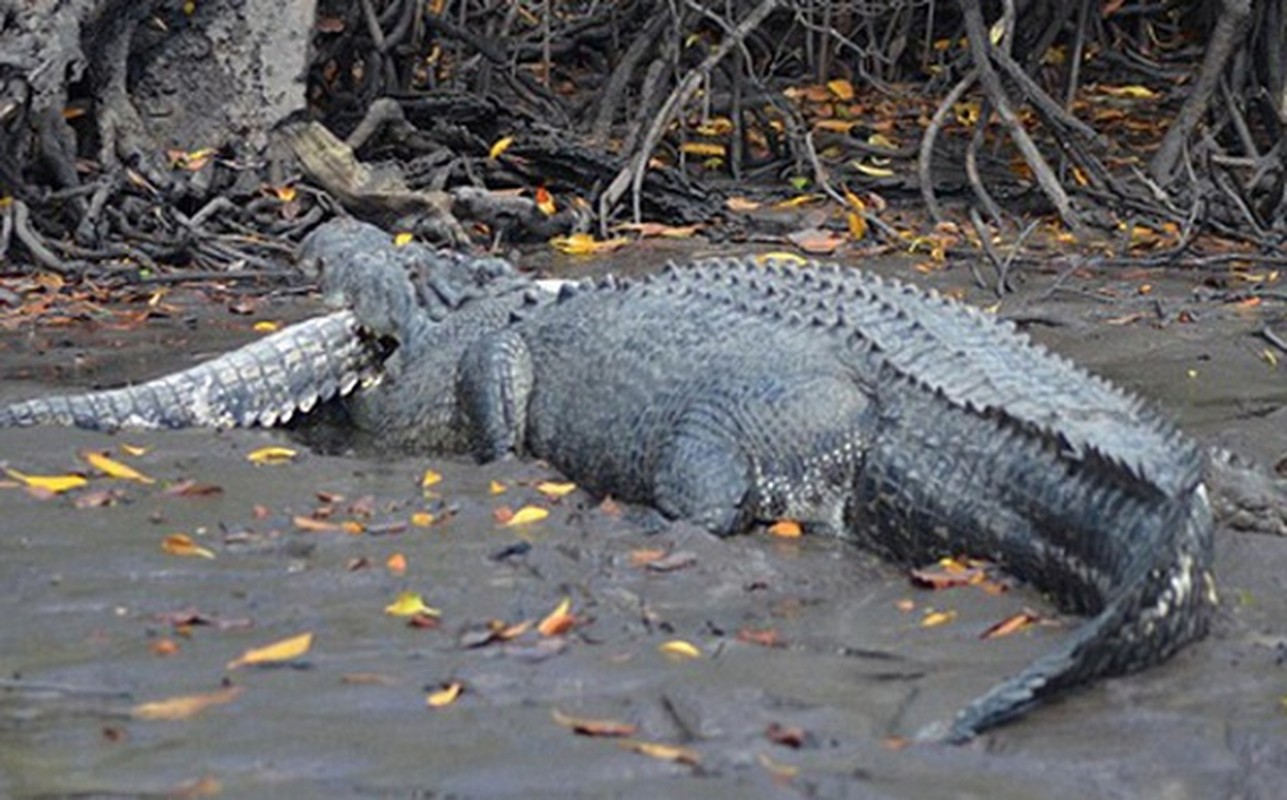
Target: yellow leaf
[(422, 519), (267, 326), (935, 618), (527, 514), (56, 484), (552, 489), (665, 752), (580, 244), (841, 88), (1269, 356), (284, 193), (500, 146), (881, 140), (271, 455), (409, 604), (1134, 92), (403, 238), (115, 469), (444, 696), (185, 707), (277, 652), (799, 200), (715, 126), (679, 649), (703, 148), (868, 169), (779, 256), (133, 450), (557, 621), (857, 224), (180, 544), (496, 487), (997, 32), (430, 478)]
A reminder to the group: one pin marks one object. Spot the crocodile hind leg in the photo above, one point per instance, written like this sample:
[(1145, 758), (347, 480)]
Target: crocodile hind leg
[(760, 451)]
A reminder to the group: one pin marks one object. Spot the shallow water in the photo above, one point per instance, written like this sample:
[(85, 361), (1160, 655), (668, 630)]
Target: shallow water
[(89, 593)]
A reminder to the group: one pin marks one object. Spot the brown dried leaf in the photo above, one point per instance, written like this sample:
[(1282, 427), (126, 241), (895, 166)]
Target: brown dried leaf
[(586, 726)]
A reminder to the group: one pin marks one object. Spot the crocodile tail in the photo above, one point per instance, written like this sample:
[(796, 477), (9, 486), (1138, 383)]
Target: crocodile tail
[(263, 383), (1164, 603)]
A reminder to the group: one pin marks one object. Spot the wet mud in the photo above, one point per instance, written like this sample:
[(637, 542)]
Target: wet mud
[(811, 656)]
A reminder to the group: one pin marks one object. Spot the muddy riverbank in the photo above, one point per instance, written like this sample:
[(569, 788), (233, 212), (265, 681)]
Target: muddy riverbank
[(809, 655)]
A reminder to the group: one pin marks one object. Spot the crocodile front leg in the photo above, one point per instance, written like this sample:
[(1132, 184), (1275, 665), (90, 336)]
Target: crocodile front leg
[(494, 387)]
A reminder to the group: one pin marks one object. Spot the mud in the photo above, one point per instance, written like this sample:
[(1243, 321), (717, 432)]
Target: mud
[(811, 660)]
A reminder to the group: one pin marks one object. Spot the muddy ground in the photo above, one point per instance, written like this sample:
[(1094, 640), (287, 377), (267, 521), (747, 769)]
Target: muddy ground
[(812, 654)]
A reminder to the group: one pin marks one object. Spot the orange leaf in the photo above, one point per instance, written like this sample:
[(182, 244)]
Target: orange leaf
[(277, 652), (180, 544), (545, 201), (1009, 625), (315, 525), (559, 621), (396, 563), (422, 519), (176, 708), (786, 528)]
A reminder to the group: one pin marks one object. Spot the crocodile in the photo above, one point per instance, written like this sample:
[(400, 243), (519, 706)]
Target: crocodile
[(729, 393)]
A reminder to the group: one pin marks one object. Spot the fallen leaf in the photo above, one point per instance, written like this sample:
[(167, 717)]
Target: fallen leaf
[(664, 752), (396, 563), (558, 621), (409, 604), (779, 771), (266, 326), (594, 727), (277, 652), (786, 735), (871, 169), (580, 244), (1011, 624), (764, 637), (314, 525), (781, 257), (496, 487), (444, 696), (816, 241), (57, 484), (422, 519), (677, 560), (133, 449), (786, 528), (800, 200), (164, 647), (430, 478), (501, 145), (642, 557), (841, 88), (180, 544), (545, 202), (1136, 92), (190, 488), (948, 573), (98, 498), (271, 455), (741, 204), (185, 707), (703, 149), (679, 649), (526, 515), (552, 489), (113, 468), (403, 238), (933, 619)]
